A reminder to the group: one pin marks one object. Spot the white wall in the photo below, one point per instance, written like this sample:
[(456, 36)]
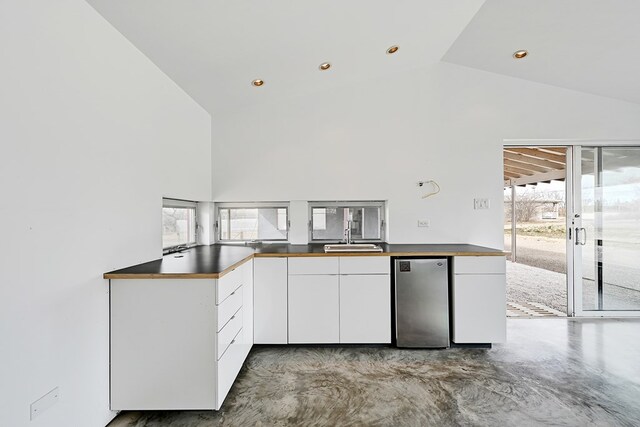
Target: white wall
[(375, 140), (92, 135)]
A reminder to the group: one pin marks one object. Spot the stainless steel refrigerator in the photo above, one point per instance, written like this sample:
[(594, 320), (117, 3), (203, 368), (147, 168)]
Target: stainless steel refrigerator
[(422, 303)]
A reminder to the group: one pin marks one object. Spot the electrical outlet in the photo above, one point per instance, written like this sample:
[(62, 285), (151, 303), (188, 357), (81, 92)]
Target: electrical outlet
[(423, 223), (481, 203), (45, 402)]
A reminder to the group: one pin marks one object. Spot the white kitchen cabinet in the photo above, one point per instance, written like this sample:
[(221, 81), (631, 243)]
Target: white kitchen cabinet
[(177, 343), (365, 308), (270, 300), (352, 307), (314, 309), (479, 300), (163, 344)]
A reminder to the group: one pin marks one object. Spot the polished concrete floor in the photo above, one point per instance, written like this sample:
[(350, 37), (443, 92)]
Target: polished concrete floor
[(560, 372)]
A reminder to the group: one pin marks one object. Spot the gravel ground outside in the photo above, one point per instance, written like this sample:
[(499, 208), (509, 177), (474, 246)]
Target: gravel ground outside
[(532, 284), (540, 275), (542, 252)]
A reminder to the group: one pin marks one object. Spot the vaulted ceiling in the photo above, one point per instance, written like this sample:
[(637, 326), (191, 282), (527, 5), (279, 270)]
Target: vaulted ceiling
[(585, 45), (213, 49)]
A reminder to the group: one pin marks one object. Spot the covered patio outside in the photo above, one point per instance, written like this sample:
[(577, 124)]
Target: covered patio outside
[(535, 235)]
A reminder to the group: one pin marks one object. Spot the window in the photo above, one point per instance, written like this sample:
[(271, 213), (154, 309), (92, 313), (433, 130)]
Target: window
[(241, 222), (330, 219), (178, 224)]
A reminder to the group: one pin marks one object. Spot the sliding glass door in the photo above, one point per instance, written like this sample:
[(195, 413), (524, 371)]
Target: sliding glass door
[(605, 231)]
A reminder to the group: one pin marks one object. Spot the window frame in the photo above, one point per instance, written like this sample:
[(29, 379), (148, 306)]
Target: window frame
[(168, 202), (250, 205), (381, 204)]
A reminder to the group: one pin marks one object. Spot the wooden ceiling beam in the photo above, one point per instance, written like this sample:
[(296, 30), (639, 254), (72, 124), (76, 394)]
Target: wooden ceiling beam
[(558, 175), (530, 160), (557, 150), (527, 166), (532, 152), (519, 171)]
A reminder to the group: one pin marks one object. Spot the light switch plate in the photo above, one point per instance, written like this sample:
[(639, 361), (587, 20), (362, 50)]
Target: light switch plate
[(481, 203), (423, 223), (45, 402)]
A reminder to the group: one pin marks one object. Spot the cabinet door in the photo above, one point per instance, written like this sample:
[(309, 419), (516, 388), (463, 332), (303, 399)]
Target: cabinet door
[(479, 308), (270, 301), (365, 309), (313, 309)]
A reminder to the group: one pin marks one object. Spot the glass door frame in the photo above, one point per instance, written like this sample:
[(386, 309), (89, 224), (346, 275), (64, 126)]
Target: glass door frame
[(572, 195), (572, 292), (574, 226), (568, 144)]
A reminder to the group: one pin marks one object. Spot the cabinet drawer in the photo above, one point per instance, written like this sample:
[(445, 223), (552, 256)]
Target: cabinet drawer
[(228, 283), (479, 265), (229, 331), (229, 307), (229, 366), (313, 265), (364, 265)]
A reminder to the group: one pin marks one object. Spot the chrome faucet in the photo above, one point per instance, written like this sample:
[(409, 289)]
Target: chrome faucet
[(347, 233)]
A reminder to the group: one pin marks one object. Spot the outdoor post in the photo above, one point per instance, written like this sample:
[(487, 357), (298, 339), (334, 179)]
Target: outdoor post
[(513, 221)]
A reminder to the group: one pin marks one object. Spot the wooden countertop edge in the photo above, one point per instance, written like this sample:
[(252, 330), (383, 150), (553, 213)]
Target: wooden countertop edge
[(286, 255), (444, 253), (319, 254), (162, 275)]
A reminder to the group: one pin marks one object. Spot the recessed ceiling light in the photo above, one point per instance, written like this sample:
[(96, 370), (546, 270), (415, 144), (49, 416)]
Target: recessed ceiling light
[(392, 49), (257, 82), (519, 54), (325, 66)]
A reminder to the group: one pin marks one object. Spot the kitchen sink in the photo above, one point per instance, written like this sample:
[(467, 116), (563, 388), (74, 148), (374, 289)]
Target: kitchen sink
[(353, 247)]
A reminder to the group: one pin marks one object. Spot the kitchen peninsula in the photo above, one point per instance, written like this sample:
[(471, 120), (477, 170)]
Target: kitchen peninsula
[(182, 325)]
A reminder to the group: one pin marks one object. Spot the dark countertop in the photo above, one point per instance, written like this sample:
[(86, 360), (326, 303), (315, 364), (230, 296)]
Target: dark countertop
[(317, 249), (200, 262), (214, 261)]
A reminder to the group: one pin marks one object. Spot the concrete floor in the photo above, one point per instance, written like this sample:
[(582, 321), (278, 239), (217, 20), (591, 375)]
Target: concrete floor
[(551, 372)]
